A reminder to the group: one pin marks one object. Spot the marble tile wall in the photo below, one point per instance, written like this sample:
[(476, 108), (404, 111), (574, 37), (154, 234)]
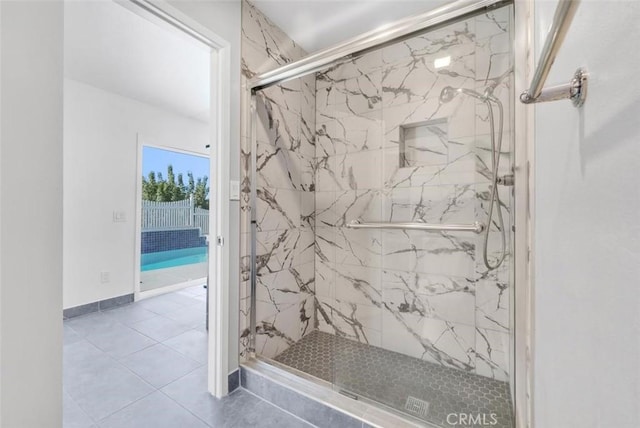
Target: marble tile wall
[(427, 295), (329, 152), (285, 134)]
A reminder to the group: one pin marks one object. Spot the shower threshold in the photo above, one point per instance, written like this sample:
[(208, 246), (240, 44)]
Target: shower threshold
[(425, 391)]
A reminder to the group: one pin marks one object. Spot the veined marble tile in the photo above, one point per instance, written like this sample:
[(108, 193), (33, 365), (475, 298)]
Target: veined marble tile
[(307, 172), (279, 291), (433, 340), (264, 45), (276, 125), (276, 333), (459, 115), (350, 320), (355, 96), (360, 247), (431, 204), (503, 92), (363, 205), (278, 168), (325, 279), (460, 170), (429, 252), (308, 116), (358, 170), (358, 284), (349, 134), (419, 78), (326, 177), (503, 272), (349, 69), (483, 196), (493, 58), (492, 305), (278, 209), (326, 209), (492, 354), (282, 249), (326, 244), (431, 43), (307, 209), (493, 22), (448, 298)]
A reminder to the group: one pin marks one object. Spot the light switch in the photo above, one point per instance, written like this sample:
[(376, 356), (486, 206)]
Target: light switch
[(234, 190)]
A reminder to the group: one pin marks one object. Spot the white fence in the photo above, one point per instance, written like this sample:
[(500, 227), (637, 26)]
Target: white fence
[(174, 215)]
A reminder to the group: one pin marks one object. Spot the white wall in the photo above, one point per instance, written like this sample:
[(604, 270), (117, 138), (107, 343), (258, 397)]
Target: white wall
[(587, 233), (100, 176), (224, 19), (31, 223)]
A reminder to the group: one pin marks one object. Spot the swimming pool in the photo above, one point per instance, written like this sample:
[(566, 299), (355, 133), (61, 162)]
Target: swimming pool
[(173, 258)]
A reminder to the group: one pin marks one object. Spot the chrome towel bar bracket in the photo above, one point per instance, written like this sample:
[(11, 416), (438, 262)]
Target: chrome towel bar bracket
[(576, 89), (475, 227)]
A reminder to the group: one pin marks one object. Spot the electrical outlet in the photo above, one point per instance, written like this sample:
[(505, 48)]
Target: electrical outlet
[(119, 217), (105, 277)]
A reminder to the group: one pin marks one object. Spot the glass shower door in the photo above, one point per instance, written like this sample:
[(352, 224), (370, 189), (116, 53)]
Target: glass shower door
[(415, 319)]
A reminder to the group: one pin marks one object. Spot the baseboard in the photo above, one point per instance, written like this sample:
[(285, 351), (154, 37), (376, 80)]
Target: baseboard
[(234, 380), (102, 305)]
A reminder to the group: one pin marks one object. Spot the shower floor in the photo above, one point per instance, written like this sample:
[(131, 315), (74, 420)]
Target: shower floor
[(424, 390)]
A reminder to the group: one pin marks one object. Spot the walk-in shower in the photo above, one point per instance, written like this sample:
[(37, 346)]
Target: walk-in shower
[(379, 226)]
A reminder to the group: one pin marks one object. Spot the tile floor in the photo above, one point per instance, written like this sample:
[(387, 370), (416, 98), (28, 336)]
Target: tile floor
[(143, 365), (424, 390)]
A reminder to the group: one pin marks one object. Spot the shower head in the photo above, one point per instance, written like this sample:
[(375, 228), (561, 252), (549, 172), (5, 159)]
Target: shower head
[(448, 93)]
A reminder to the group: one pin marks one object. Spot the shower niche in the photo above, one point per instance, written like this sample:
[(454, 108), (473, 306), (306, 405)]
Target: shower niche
[(424, 143), (411, 320)]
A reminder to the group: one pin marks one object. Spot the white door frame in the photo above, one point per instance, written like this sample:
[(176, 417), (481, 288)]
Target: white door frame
[(167, 16)]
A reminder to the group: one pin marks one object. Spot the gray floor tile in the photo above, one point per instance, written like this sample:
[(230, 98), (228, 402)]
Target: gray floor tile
[(192, 343), (153, 411), (159, 365), (124, 392), (191, 392), (119, 340), (192, 316), (73, 415), (70, 335), (160, 305), (129, 314), (160, 328), (81, 361), (88, 324), (108, 390), (182, 299), (265, 415)]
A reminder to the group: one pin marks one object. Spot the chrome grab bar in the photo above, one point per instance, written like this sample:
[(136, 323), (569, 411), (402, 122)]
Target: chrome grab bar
[(576, 89), (476, 227)]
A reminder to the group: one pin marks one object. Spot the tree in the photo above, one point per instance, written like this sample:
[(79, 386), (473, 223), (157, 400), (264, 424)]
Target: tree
[(156, 188)]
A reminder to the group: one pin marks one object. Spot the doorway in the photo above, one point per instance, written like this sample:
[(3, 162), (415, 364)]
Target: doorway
[(103, 128), (174, 230)]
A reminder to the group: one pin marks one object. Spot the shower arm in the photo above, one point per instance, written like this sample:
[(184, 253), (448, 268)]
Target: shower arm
[(576, 89)]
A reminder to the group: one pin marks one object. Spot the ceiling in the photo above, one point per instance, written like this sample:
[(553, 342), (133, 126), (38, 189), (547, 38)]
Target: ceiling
[(317, 24), (112, 48)]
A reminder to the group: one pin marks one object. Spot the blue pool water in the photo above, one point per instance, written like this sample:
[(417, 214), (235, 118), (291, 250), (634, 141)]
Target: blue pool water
[(173, 258)]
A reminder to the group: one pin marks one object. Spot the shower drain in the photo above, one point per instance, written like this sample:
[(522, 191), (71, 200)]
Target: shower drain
[(417, 406)]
